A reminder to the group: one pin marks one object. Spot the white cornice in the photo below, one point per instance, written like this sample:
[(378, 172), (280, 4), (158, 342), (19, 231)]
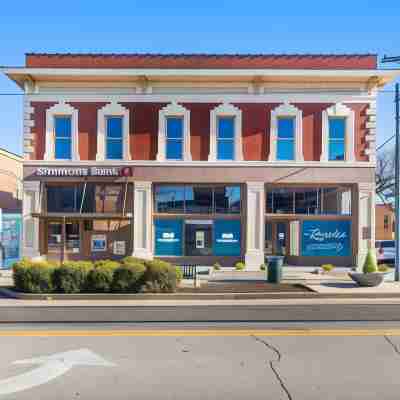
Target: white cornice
[(137, 72), (205, 164)]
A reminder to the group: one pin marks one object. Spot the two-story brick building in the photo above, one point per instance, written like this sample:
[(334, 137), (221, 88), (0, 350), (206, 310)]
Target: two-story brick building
[(200, 158)]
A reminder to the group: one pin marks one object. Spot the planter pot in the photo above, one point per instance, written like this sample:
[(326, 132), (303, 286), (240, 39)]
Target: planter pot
[(367, 280)]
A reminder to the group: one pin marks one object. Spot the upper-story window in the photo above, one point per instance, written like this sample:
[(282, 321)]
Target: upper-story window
[(63, 138), (226, 133), (338, 127), (286, 135), (175, 140), (61, 133), (286, 139), (174, 133), (113, 133), (114, 138), (337, 144), (226, 138)]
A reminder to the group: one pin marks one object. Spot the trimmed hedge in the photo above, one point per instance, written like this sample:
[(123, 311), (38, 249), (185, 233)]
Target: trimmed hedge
[(71, 276), (128, 278), (370, 263), (130, 275), (33, 277)]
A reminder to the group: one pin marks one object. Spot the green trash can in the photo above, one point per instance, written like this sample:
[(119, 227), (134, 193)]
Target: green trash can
[(274, 269)]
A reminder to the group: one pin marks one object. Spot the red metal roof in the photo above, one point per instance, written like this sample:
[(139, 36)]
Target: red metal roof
[(203, 61)]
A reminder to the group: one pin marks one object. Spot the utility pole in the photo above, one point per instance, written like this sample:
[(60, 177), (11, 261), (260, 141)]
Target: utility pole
[(397, 171)]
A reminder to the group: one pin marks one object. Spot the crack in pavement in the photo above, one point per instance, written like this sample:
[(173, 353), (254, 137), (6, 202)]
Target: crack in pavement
[(394, 346), (272, 366)]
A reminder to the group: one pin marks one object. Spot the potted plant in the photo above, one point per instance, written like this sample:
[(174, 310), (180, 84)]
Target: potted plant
[(370, 275)]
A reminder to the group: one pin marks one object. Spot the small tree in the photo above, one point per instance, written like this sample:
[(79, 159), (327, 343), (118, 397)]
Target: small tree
[(370, 263)]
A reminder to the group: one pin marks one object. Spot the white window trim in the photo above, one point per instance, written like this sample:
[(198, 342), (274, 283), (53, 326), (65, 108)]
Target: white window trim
[(112, 110), (282, 111), (61, 109), (173, 110), (226, 110), (338, 110)]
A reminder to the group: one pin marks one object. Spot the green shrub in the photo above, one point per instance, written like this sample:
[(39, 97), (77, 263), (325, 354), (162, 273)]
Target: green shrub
[(327, 267), (160, 276), (179, 274), (33, 277), (100, 278), (239, 266), (132, 260), (217, 266), (263, 267), (383, 268), (128, 278), (71, 276), (370, 264)]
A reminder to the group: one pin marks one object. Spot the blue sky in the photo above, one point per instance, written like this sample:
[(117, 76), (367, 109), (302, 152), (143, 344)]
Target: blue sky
[(193, 26)]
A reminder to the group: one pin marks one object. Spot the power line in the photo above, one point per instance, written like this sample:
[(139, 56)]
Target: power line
[(385, 142)]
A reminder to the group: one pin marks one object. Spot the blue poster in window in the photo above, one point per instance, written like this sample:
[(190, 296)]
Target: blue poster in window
[(168, 236), (227, 237), (326, 238), (10, 238)]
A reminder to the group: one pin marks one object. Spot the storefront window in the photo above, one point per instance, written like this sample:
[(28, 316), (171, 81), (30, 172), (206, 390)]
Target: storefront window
[(169, 199), (309, 201), (64, 198), (109, 198), (72, 238), (227, 199), (54, 234), (198, 200)]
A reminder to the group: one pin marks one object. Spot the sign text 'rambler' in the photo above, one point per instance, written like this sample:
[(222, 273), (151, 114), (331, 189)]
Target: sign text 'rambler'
[(83, 171)]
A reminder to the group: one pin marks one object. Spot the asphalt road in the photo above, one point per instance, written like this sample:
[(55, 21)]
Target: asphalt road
[(200, 361)]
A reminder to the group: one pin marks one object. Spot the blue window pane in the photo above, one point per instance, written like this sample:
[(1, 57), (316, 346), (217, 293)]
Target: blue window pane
[(168, 235), (225, 150), (63, 149), (174, 149), (114, 149), (336, 151), (114, 127), (285, 150), (337, 128), (226, 128), (63, 127), (286, 128), (174, 128), (227, 237)]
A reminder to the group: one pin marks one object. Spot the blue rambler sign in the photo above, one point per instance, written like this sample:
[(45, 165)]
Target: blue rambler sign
[(326, 238)]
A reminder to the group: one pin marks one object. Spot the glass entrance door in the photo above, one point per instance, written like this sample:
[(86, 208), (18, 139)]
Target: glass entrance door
[(198, 239), (276, 237)]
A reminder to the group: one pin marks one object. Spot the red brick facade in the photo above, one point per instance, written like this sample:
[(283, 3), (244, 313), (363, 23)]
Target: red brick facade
[(143, 130)]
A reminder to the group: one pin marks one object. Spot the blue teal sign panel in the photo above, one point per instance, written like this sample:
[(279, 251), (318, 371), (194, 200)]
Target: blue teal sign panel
[(168, 236), (10, 239), (326, 238), (227, 237)]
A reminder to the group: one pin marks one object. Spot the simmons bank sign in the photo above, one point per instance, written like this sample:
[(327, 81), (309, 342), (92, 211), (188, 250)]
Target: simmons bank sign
[(83, 171)]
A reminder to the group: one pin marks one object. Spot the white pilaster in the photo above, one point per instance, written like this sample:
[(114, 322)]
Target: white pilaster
[(255, 225), (142, 223), (30, 226)]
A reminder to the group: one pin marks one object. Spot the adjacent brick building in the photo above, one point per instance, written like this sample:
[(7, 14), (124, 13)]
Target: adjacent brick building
[(200, 158)]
